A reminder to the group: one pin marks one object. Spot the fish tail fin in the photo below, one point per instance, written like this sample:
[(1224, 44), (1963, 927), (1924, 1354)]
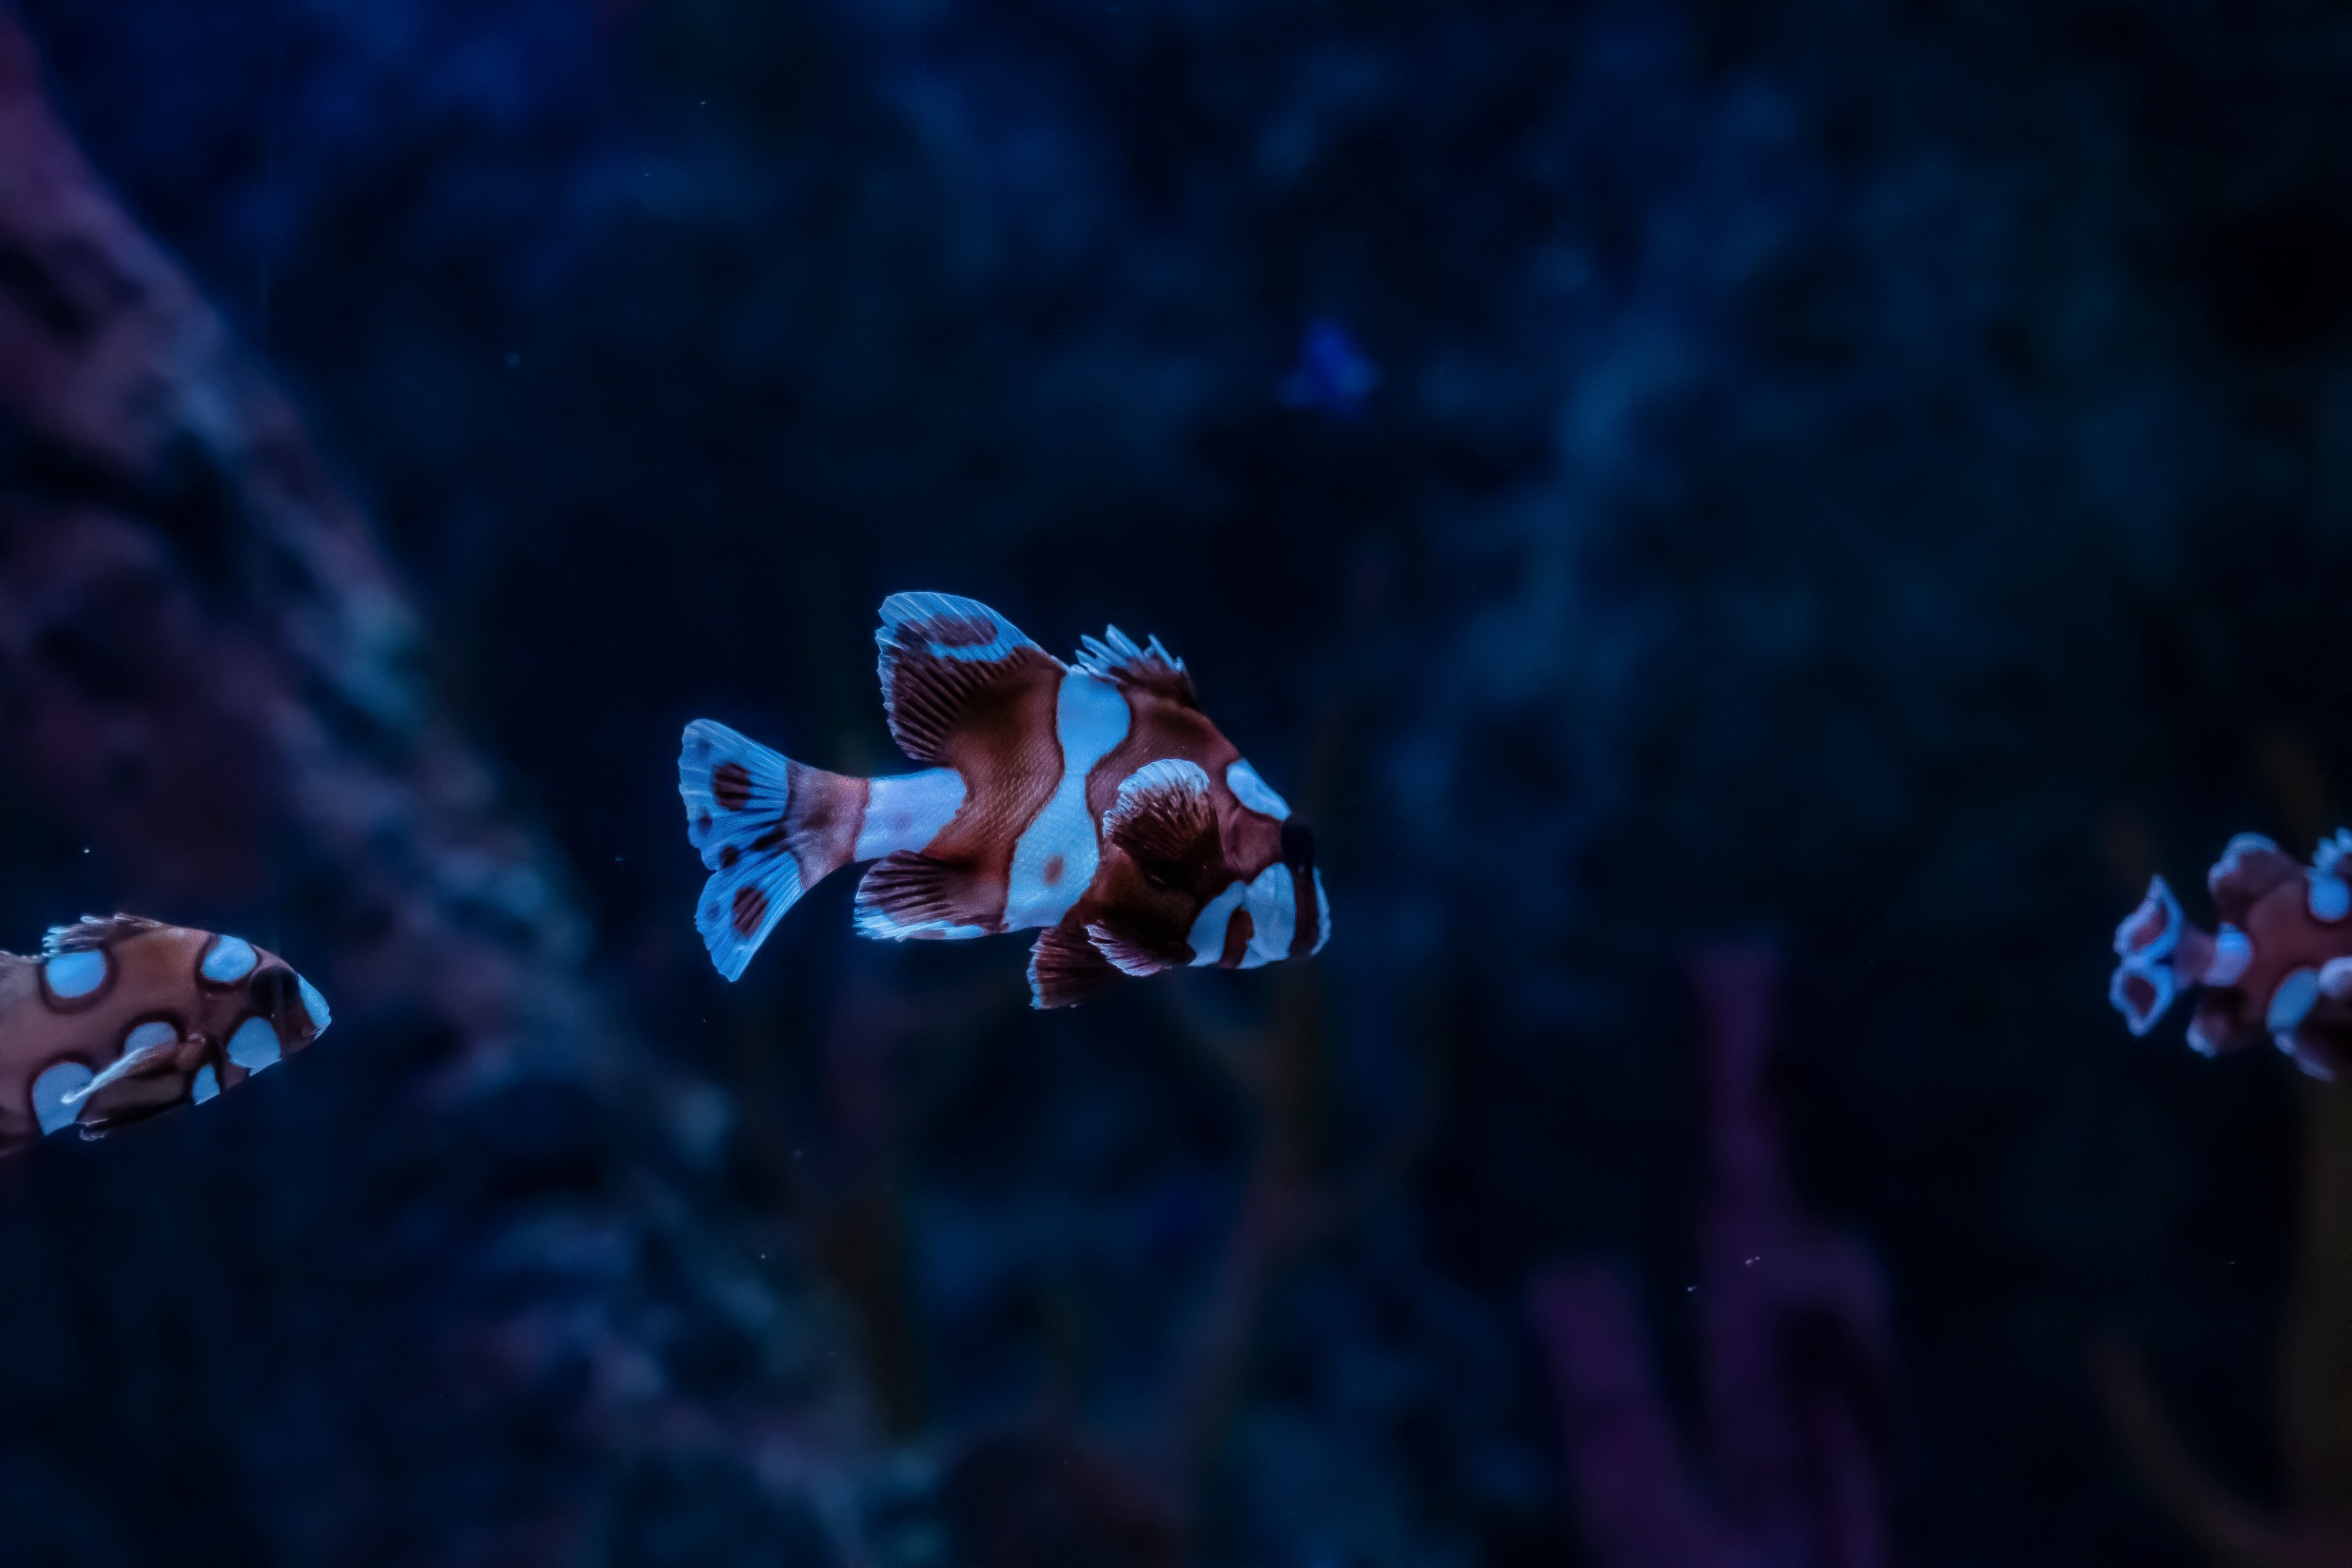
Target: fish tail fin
[(768, 828)]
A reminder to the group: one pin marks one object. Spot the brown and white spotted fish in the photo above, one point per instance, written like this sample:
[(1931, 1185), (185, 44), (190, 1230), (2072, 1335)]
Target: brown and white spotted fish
[(2278, 966), (122, 1017), (1097, 804)]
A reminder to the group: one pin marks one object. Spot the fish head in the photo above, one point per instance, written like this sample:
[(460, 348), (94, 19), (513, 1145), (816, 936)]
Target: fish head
[(1281, 912), (127, 1017), (1197, 875)]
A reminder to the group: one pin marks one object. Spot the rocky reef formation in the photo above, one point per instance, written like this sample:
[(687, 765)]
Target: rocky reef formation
[(444, 1289)]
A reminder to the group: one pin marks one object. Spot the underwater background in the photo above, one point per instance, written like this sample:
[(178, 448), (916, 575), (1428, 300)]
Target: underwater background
[(1751, 530)]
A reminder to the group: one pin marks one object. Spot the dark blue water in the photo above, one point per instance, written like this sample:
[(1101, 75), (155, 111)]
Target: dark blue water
[(1871, 484)]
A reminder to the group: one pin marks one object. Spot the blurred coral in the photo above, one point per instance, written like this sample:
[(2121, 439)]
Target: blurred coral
[(1795, 1356)]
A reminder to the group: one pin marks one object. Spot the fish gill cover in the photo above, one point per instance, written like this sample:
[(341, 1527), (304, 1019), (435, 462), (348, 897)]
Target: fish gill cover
[(1875, 478)]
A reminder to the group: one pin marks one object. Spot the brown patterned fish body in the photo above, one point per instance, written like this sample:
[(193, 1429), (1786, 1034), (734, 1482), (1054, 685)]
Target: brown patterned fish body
[(118, 1018), (1097, 804), (2278, 966)]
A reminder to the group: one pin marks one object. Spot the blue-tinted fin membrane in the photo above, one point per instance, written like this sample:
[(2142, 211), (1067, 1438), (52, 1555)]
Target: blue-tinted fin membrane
[(742, 904), (946, 626), (908, 895), (940, 655), (736, 793)]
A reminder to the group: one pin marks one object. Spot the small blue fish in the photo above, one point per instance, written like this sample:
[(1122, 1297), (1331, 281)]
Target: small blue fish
[(1330, 377)]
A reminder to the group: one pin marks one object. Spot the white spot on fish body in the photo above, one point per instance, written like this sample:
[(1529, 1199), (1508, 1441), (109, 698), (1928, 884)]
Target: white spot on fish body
[(314, 1005), (73, 975), (255, 1044), (2232, 951), (1090, 718), (1208, 938), (907, 812), (56, 1091), (2290, 1003), (1274, 916), (2336, 978), (229, 959), (207, 1084), (1254, 793)]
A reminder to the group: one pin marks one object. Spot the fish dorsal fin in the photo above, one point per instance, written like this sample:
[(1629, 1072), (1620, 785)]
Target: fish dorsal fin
[(1065, 969), (93, 932), (2250, 866), (941, 657), (1163, 819), (1115, 656)]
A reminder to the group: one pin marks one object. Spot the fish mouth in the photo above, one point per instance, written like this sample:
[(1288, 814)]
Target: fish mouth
[(1298, 848)]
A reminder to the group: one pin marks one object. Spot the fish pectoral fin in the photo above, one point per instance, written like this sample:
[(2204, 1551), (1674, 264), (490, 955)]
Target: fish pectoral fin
[(1163, 817), (947, 661), (146, 1059), (1131, 954), (1065, 969), (1117, 657), (910, 894)]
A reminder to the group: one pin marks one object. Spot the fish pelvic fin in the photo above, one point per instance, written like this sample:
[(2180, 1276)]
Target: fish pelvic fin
[(768, 828), (1065, 969)]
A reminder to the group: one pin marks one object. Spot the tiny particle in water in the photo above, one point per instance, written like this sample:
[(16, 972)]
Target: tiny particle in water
[(1690, 1289), (85, 849), (1754, 1261), (514, 361)]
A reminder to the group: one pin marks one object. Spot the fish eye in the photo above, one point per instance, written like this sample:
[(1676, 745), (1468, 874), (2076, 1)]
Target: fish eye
[(272, 991), (1297, 846)]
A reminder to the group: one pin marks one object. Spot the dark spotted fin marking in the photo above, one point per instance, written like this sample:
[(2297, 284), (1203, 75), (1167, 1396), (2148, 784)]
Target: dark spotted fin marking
[(1115, 656), (1164, 819), (1065, 969), (736, 793), (907, 894), (946, 663)]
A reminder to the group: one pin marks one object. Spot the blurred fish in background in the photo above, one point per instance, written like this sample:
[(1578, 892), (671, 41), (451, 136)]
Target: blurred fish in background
[(121, 1017)]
